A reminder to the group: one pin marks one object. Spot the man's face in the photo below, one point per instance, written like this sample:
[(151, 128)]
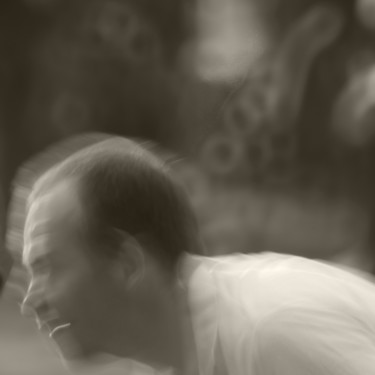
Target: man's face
[(73, 291)]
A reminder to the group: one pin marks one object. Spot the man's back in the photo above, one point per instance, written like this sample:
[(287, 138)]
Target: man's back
[(278, 314)]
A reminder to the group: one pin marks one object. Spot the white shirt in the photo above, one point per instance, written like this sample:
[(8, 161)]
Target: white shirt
[(274, 314)]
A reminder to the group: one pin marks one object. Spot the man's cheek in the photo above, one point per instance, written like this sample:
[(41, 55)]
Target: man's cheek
[(65, 294)]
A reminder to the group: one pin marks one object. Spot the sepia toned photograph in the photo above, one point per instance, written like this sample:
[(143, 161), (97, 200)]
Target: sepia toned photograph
[(187, 187)]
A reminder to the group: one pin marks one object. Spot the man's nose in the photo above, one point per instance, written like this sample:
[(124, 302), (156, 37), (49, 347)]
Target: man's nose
[(32, 303), (26, 308)]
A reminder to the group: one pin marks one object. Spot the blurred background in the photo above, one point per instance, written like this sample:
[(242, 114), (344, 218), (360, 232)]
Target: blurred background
[(265, 109)]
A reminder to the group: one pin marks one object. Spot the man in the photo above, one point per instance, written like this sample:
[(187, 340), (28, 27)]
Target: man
[(108, 239)]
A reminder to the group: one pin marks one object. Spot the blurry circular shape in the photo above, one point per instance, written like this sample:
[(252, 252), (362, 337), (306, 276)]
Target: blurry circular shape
[(210, 67), (113, 20), (231, 38), (245, 113), (116, 24), (366, 13), (222, 154), (70, 112)]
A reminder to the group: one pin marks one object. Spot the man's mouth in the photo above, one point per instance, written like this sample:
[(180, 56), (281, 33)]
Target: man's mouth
[(51, 327), (58, 329)]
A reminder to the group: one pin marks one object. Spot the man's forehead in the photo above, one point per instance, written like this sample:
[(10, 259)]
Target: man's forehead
[(50, 211), (60, 202)]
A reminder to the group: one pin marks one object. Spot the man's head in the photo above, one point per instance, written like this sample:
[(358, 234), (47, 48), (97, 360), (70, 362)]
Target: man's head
[(104, 232)]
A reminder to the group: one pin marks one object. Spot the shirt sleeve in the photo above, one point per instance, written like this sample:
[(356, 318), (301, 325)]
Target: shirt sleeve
[(302, 341)]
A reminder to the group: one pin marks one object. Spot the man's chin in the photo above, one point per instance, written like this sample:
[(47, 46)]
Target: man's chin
[(76, 355), (72, 352), (76, 359)]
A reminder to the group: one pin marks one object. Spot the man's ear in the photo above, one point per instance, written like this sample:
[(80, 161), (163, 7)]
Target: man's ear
[(131, 259)]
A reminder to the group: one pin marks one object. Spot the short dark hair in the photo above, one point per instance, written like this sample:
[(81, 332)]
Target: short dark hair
[(126, 187)]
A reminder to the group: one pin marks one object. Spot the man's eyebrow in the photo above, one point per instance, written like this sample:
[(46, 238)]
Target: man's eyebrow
[(37, 229), (33, 259), (35, 263), (38, 261)]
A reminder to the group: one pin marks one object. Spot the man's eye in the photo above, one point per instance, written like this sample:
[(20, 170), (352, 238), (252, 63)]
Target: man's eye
[(40, 270)]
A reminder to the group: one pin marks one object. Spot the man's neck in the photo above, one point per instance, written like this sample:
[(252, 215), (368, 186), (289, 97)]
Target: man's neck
[(169, 342), (180, 348), (162, 335)]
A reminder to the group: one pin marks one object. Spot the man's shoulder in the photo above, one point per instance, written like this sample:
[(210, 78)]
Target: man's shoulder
[(239, 298), (270, 281), (269, 266)]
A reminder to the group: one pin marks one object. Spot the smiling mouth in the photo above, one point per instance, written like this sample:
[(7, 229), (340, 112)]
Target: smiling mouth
[(59, 328)]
